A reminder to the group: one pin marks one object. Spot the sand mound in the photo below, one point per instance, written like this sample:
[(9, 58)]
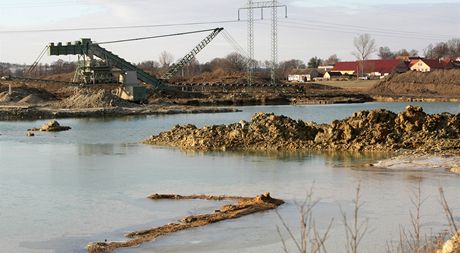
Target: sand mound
[(439, 83), (31, 99), (4, 97), (87, 98)]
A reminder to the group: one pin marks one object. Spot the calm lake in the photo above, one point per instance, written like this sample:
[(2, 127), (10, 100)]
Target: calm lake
[(60, 191)]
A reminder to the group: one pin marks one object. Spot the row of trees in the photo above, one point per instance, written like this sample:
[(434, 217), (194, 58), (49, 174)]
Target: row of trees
[(365, 46), (41, 70)]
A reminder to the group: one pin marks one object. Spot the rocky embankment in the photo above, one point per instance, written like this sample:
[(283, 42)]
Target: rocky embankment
[(377, 130)]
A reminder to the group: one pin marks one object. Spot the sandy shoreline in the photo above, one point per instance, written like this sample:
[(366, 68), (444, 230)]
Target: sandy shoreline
[(421, 162)]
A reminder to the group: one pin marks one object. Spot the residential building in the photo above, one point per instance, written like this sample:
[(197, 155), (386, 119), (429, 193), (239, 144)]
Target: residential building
[(334, 75), (426, 65), (304, 75)]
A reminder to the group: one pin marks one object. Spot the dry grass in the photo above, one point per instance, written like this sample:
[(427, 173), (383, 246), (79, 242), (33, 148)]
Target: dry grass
[(310, 240), (352, 85), (411, 240)]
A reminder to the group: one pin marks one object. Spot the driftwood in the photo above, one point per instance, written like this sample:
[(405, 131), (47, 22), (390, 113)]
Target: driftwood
[(245, 206)]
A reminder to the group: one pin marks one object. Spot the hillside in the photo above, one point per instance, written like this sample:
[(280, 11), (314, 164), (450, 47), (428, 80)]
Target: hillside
[(436, 84)]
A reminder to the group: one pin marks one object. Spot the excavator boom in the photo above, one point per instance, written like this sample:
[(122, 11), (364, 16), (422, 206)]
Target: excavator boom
[(188, 58)]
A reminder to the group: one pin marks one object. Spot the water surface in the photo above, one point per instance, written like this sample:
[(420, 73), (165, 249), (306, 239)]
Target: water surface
[(62, 190)]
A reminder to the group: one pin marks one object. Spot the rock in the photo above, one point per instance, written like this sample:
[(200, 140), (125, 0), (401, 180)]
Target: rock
[(52, 126), (30, 134), (189, 219), (452, 245)]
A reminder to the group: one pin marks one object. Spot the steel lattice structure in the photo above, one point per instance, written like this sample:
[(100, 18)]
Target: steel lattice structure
[(251, 6)]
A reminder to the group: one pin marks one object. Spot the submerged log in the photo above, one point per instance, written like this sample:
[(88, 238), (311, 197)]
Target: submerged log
[(245, 206)]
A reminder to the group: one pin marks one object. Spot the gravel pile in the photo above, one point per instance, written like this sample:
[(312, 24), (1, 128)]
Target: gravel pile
[(86, 98)]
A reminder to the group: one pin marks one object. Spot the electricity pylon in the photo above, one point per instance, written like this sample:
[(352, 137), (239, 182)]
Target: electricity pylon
[(251, 6)]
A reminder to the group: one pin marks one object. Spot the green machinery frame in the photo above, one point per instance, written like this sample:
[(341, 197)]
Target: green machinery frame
[(89, 70)]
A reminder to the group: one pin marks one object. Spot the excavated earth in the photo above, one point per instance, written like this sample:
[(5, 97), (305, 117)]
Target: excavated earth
[(378, 130), (439, 85)]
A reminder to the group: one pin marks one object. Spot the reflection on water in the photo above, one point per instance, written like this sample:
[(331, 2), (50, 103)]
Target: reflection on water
[(61, 190), (102, 149)]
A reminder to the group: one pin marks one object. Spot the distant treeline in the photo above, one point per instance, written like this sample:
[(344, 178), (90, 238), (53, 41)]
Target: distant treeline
[(232, 63)]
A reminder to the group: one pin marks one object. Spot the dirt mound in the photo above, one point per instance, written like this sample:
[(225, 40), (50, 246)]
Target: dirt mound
[(90, 98), (5, 97), (439, 83), (25, 95), (31, 99), (377, 130), (52, 126)]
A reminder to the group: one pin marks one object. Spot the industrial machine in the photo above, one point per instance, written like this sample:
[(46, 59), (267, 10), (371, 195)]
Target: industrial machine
[(98, 65)]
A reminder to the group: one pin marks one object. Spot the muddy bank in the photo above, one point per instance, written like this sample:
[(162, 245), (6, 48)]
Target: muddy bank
[(377, 130), (414, 99), (440, 84), (61, 96), (245, 206), (33, 113), (263, 94)]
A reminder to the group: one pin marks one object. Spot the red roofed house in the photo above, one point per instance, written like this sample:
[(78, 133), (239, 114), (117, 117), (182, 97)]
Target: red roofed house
[(380, 68), (426, 65)]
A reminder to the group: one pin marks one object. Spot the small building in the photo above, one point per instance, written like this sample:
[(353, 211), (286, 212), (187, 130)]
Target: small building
[(304, 75), (426, 65), (333, 75)]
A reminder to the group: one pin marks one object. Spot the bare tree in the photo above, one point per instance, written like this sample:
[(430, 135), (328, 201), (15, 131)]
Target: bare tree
[(332, 60), (364, 46), (386, 53), (310, 240), (166, 59), (355, 229), (237, 62)]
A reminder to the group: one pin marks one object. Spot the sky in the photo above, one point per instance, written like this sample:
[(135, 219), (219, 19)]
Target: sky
[(313, 27)]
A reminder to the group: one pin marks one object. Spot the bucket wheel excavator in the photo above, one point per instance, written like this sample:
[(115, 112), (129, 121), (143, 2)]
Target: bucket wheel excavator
[(99, 65)]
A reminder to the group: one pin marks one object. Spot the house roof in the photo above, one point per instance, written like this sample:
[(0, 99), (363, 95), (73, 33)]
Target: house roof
[(434, 64), (334, 73), (382, 66)]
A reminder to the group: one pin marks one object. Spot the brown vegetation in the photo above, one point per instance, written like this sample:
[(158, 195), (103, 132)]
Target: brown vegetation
[(439, 83), (245, 206)]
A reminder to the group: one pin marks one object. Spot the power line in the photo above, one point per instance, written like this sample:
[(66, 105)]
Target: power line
[(353, 31), (370, 28), (156, 37), (35, 4), (116, 27)]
